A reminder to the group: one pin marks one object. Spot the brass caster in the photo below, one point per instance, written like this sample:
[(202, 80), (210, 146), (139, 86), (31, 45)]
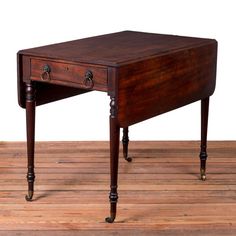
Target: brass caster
[(29, 197), (203, 175), (129, 159), (111, 218)]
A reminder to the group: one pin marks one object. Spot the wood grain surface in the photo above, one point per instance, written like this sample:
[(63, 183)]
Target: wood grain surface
[(159, 192), (167, 82), (155, 61), (115, 49)]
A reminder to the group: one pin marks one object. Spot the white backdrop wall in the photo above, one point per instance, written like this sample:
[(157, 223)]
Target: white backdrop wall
[(28, 23)]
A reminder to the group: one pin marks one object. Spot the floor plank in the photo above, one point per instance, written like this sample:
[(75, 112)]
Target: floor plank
[(159, 192)]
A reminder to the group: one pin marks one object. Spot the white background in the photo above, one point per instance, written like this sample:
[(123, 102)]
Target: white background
[(26, 24)]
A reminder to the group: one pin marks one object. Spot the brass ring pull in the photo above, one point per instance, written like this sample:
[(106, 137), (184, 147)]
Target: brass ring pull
[(45, 76), (88, 81)]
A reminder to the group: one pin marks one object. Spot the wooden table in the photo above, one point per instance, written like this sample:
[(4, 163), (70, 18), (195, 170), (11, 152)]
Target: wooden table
[(144, 74)]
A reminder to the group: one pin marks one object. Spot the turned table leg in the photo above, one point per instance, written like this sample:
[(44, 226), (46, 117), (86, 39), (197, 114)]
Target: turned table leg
[(30, 124), (114, 155), (125, 141), (204, 122)]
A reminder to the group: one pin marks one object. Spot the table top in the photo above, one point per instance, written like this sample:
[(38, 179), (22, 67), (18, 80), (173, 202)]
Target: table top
[(116, 49), (136, 69)]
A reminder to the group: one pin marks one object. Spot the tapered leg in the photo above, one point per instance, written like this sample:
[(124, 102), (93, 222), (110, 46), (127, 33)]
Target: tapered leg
[(30, 124), (204, 122), (114, 155), (125, 141)]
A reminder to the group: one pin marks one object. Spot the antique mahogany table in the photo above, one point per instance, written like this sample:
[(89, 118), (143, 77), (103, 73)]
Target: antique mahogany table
[(144, 74)]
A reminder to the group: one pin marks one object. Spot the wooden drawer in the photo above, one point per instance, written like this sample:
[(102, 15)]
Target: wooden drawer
[(76, 75)]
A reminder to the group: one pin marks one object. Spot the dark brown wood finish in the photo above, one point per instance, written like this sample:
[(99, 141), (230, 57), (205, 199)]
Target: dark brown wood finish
[(114, 145), (30, 123), (64, 73), (116, 49), (166, 82), (46, 92), (144, 74), (125, 142), (114, 156), (204, 123)]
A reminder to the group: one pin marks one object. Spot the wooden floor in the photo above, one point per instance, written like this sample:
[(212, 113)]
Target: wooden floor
[(159, 192)]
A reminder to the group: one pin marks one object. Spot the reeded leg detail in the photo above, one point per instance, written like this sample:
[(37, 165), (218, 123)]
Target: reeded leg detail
[(204, 123), (125, 141), (114, 155), (30, 124)]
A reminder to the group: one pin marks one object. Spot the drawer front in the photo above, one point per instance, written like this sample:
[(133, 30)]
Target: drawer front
[(76, 75)]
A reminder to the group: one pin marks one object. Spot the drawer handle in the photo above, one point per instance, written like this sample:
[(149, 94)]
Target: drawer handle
[(88, 80), (45, 76)]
